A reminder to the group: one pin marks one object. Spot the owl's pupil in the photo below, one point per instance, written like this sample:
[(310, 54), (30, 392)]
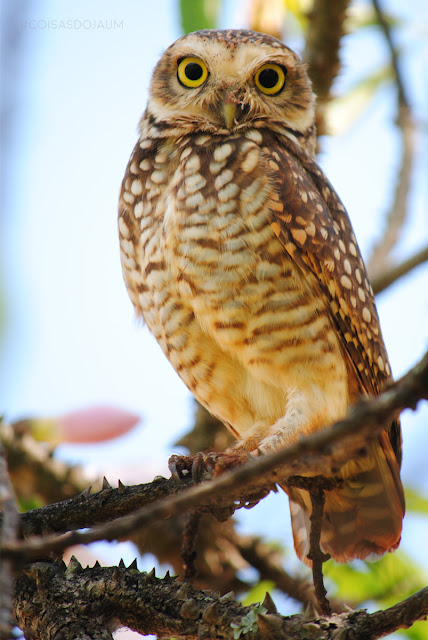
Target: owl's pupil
[(268, 78), (193, 71)]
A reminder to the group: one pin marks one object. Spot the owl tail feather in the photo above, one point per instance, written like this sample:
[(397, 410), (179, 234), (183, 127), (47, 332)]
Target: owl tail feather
[(363, 517)]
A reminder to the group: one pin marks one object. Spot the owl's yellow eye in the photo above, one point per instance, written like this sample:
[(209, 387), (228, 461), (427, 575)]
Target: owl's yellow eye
[(192, 72), (270, 78)]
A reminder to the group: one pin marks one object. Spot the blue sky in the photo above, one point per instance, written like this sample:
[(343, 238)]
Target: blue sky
[(70, 336)]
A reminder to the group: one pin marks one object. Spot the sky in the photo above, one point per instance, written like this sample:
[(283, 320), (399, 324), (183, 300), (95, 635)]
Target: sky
[(70, 337)]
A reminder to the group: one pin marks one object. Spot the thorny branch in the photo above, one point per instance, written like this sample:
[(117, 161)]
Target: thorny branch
[(165, 607), (323, 452), (396, 217), (162, 538)]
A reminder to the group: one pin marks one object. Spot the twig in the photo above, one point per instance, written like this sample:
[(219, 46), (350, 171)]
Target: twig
[(385, 278), (396, 217), (315, 554), (383, 23), (188, 552), (260, 556), (323, 453), (316, 486), (9, 532)]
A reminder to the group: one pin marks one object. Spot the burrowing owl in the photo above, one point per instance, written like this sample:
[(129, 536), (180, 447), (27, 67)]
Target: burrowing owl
[(241, 259)]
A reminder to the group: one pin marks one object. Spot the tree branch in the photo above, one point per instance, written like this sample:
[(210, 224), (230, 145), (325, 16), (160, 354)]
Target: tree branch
[(167, 608), (383, 24), (387, 277), (396, 217), (323, 453), (323, 37), (33, 470), (401, 615)]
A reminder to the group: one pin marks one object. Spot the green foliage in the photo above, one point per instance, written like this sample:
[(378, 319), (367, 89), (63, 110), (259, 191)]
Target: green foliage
[(389, 580), (28, 503), (392, 578), (199, 14), (248, 622), (416, 502), (299, 9), (419, 631)]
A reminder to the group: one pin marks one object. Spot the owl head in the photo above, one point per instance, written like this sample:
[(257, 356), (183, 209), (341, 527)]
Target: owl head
[(223, 81)]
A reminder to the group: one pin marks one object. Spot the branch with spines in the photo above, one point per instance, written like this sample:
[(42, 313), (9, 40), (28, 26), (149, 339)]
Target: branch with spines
[(123, 596), (323, 453)]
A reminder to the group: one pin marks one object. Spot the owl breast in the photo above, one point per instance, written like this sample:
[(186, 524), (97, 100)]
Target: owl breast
[(227, 304)]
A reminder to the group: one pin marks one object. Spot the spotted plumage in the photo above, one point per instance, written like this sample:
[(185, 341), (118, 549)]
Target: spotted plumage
[(241, 259)]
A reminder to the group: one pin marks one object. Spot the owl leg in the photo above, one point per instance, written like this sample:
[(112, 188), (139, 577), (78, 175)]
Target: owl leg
[(306, 412)]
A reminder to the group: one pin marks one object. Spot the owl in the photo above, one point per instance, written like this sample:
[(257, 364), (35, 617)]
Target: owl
[(240, 258)]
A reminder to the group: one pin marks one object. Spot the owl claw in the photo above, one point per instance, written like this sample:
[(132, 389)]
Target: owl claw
[(197, 468), (179, 466), (203, 466)]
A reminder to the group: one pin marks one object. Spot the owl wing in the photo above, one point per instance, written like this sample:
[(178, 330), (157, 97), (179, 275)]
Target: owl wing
[(364, 515), (315, 230)]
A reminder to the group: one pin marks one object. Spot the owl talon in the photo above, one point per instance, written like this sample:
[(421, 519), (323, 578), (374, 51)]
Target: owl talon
[(180, 466), (201, 466), (204, 466), (198, 468)]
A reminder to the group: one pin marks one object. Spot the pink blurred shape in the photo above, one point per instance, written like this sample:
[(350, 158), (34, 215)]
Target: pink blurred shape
[(92, 424), (95, 424)]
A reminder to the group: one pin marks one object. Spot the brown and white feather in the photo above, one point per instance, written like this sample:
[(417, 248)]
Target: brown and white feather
[(242, 261)]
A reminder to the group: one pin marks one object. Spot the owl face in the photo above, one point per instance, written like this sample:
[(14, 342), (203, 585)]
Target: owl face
[(219, 81)]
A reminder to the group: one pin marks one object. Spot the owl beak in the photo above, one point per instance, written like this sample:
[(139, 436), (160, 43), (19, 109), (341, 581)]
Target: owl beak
[(229, 113)]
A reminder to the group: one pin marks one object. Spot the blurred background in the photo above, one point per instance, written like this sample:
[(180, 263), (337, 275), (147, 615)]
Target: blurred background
[(74, 79)]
